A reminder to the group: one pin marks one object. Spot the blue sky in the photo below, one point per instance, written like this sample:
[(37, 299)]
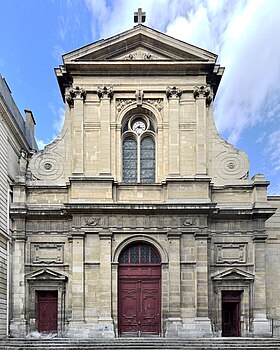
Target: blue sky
[(244, 33)]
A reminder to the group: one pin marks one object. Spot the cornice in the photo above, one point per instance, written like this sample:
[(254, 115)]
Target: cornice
[(13, 126)]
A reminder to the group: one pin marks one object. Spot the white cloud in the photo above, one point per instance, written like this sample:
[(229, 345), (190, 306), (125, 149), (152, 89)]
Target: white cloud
[(273, 150), (41, 144), (59, 116)]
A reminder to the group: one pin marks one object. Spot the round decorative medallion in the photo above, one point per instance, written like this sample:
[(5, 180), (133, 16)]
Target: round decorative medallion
[(230, 165), (46, 166)]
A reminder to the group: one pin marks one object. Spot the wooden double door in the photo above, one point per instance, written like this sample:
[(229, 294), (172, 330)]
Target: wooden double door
[(139, 292)]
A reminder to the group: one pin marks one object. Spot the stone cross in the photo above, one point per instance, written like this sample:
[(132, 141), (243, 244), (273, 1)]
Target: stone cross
[(139, 16)]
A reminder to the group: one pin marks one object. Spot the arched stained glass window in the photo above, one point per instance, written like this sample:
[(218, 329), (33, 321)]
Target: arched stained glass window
[(129, 160), (147, 160), (139, 253), (139, 150)]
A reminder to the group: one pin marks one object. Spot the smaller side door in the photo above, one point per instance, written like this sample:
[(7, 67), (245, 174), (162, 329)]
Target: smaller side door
[(47, 311)]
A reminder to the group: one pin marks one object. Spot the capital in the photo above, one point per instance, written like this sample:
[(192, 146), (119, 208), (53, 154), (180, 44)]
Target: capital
[(203, 91), (173, 92), (105, 91), (73, 93)]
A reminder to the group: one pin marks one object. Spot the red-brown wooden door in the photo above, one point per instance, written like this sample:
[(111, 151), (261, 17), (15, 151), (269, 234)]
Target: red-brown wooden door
[(139, 295), (231, 314), (47, 311)]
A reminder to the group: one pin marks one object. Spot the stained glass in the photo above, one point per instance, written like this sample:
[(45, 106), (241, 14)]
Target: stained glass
[(147, 160), (140, 253), (134, 254), (129, 160), (145, 253), (124, 257)]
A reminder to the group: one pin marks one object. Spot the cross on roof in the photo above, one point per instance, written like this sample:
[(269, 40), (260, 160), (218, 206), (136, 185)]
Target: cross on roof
[(139, 16)]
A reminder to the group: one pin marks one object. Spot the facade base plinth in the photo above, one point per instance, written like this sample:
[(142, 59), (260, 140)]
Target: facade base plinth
[(195, 328), (80, 329), (18, 328), (261, 327)]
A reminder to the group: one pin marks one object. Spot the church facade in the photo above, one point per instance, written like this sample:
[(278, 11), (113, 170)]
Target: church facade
[(139, 219)]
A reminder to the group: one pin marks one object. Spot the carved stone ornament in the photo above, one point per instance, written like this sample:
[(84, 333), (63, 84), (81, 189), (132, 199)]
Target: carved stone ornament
[(187, 221), (105, 91), (73, 93), (203, 91), (121, 103), (92, 221), (173, 92), (139, 94), (140, 55), (232, 165), (156, 102)]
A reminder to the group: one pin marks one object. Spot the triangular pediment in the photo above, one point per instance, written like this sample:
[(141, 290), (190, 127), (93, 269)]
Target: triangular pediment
[(233, 274), (45, 274), (139, 43)]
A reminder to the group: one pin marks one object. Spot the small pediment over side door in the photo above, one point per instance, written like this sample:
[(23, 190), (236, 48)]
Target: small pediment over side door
[(232, 274), (45, 274)]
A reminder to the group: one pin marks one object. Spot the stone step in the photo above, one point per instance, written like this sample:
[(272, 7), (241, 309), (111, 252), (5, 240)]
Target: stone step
[(143, 344)]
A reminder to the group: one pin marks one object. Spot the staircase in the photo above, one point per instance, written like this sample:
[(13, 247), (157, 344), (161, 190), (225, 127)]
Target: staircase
[(143, 344)]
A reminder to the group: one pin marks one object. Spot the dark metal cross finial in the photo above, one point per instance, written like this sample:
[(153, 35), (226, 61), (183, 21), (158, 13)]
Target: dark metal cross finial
[(139, 16)]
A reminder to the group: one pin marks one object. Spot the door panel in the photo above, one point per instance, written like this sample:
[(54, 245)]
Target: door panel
[(47, 311), (129, 308), (139, 303), (150, 307)]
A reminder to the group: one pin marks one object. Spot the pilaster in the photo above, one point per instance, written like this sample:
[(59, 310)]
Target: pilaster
[(105, 284), (202, 318), (77, 284), (18, 322), (261, 327), (174, 94), (105, 93), (203, 98), (75, 98), (174, 312)]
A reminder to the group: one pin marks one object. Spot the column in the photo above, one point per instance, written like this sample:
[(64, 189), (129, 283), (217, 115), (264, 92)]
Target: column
[(78, 305), (105, 285), (202, 317), (203, 97), (18, 322), (260, 321), (174, 312), (105, 94), (75, 98), (174, 95)]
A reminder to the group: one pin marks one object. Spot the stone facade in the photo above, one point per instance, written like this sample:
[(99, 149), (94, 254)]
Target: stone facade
[(16, 145), (98, 191)]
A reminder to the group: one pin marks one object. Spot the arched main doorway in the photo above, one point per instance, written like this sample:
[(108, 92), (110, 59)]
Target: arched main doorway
[(139, 289)]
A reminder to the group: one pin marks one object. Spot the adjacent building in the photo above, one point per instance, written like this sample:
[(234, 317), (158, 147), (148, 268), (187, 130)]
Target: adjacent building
[(17, 143), (139, 219)]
